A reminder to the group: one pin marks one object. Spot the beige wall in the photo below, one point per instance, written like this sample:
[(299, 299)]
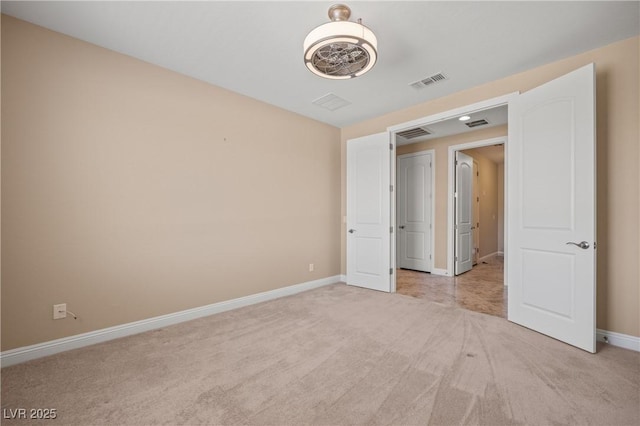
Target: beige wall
[(130, 191), (441, 153), (618, 94)]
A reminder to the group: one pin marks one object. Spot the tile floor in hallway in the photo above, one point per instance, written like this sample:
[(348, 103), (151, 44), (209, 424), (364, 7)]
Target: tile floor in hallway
[(481, 289)]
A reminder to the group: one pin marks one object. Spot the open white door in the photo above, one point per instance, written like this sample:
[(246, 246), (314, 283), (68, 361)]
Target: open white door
[(475, 200), (413, 209), (551, 209), (369, 212), (464, 213)]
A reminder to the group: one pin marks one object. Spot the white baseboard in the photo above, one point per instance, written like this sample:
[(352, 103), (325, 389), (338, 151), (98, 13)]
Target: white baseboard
[(437, 271), (26, 353), (618, 339), (497, 253), (343, 278)]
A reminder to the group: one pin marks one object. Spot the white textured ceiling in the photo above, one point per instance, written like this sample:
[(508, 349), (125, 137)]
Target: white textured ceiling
[(255, 48)]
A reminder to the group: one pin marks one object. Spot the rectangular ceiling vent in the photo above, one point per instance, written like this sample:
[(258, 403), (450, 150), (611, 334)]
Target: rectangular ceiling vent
[(477, 123), (414, 133), (432, 79), (331, 102)]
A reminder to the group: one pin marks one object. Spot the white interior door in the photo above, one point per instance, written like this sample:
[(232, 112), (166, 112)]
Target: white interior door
[(369, 212), (476, 213), (413, 209), (463, 213), (551, 206)]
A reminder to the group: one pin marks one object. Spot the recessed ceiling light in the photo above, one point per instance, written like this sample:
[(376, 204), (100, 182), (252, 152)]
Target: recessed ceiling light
[(464, 118)]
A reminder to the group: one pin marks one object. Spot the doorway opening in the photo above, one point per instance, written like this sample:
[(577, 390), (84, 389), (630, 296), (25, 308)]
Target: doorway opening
[(550, 217), (482, 287)]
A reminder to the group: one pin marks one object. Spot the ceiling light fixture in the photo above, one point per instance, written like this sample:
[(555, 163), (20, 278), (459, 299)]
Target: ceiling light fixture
[(340, 49), (464, 118)]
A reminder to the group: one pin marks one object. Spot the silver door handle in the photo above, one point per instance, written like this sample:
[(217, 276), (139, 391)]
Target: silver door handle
[(351, 231), (401, 226), (583, 245)]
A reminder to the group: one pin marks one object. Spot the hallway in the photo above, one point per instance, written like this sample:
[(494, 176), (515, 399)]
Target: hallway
[(480, 290)]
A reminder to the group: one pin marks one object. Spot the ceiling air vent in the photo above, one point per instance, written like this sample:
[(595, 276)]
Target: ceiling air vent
[(331, 102), (414, 133), (477, 123), (435, 78)]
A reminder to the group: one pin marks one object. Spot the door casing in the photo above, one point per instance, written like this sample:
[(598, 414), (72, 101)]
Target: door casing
[(451, 206), (446, 115)]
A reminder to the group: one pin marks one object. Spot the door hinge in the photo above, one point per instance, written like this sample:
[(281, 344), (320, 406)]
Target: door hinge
[(391, 188), (391, 229), (429, 257), (391, 146), (390, 271), (456, 258)]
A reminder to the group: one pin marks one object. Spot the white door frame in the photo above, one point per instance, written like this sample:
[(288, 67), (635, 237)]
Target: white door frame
[(451, 189), (435, 118), (432, 153)]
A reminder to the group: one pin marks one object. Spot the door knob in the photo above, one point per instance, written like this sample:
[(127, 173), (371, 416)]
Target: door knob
[(583, 245), (351, 231), (401, 226)]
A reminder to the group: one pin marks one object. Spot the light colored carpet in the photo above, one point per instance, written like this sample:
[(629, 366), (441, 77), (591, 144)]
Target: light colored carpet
[(336, 355)]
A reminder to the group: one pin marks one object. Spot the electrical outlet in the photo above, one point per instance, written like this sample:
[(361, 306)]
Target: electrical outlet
[(311, 267), (60, 311)]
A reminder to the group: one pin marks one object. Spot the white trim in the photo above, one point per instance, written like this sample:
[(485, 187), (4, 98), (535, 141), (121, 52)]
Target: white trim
[(392, 205), (483, 258), (343, 278), (432, 230), (438, 271), (456, 112), (26, 353), (618, 339), (451, 182)]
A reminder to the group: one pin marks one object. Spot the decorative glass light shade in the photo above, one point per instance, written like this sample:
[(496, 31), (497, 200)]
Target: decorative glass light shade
[(340, 49)]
